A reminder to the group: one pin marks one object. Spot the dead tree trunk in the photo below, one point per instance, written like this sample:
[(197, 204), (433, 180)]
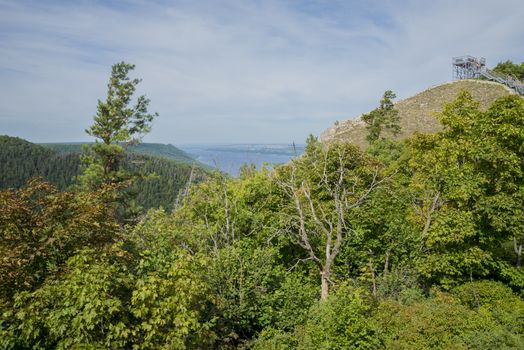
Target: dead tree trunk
[(325, 218), (517, 246), (324, 285)]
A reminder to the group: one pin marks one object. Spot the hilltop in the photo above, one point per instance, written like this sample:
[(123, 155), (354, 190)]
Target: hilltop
[(417, 113)]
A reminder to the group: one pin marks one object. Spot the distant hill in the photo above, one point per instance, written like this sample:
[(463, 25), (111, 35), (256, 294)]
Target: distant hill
[(417, 113), (60, 163), (20, 160), (153, 149)]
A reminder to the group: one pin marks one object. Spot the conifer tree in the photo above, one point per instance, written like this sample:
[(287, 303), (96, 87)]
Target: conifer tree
[(385, 117), (117, 123)]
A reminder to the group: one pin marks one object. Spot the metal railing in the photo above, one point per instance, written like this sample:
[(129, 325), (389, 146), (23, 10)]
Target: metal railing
[(509, 81), (469, 67)]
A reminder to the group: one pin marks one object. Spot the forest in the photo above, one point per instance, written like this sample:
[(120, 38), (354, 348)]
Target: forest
[(412, 244), (166, 169)]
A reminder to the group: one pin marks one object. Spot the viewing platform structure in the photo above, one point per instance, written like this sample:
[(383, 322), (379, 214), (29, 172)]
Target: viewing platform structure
[(469, 67)]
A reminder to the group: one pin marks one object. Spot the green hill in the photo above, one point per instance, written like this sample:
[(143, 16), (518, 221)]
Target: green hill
[(20, 160), (153, 149), (417, 113), (60, 163)]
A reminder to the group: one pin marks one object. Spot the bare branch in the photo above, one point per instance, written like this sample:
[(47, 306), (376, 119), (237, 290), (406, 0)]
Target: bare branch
[(298, 262), (307, 194)]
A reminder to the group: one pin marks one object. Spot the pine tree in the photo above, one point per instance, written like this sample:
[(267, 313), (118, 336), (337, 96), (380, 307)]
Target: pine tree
[(385, 117), (117, 123)]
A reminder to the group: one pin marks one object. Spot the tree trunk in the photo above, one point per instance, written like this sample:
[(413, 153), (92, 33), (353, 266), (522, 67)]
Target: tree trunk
[(432, 209), (324, 278), (373, 277), (518, 250), (386, 264)]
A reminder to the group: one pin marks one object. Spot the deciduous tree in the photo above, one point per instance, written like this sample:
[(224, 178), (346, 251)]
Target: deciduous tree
[(324, 186), (470, 180)]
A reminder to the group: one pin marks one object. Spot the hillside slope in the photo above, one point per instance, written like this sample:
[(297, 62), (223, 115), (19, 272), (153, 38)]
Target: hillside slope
[(153, 149), (21, 160), (417, 113)]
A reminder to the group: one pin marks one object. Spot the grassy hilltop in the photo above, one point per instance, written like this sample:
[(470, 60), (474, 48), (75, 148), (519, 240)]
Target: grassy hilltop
[(417, 113)]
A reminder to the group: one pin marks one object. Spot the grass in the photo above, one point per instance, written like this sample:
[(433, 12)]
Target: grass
[(417, 113)]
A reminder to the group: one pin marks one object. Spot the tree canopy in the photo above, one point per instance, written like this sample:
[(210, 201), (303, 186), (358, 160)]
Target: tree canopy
[(509, 68)]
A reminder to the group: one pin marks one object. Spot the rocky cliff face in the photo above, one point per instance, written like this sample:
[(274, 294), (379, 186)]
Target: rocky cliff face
[(417, 113)]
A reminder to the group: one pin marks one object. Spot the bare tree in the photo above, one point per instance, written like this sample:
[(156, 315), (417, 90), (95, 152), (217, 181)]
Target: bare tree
[(324, 186)]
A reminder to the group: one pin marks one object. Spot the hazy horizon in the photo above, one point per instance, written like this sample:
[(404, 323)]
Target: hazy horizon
[(298, 144)]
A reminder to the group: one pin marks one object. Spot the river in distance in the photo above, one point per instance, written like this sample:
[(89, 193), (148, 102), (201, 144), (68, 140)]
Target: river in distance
[(229, 158)]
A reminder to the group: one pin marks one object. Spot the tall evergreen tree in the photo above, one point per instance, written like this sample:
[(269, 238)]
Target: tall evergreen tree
[(385, 117), (117, 124)]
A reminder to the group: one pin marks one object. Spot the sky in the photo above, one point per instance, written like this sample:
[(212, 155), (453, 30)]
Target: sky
[(236, 71)]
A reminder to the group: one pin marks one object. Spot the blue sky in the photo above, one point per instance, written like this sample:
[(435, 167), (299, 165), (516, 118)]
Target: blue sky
[(236, 71)]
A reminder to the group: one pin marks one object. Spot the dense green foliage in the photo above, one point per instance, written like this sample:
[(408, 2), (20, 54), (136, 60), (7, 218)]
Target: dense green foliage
[(22, 160), (411, 245), (152, 149), (472, 175), (41, 227)]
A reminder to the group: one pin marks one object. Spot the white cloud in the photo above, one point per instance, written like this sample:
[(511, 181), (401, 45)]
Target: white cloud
[(236, 71)]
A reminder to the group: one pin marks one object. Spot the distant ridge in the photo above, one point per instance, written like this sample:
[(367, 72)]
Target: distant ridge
[(417, 113), (59, 163), (167, 151)]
